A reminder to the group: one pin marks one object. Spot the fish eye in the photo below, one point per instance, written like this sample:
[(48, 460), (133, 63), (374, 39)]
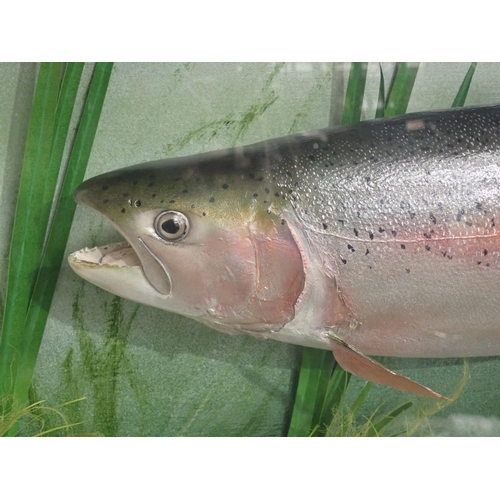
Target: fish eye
[(171, 226)]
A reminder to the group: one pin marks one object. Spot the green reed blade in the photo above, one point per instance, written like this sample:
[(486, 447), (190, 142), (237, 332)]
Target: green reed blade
[(64, 111), (59, 232), (315, 372), (401, 90), (380, 113), (464, 88), (361, 397), (355, 92), (378, 427), (334, 397), (27, 235)]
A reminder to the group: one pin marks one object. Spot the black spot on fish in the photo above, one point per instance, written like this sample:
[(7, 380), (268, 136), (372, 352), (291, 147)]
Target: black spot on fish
[(312, 158), (344, 261), (172, 201), (260, 179), (267, 190), (151, 184), (370, 234), (177, 179), (449, 257), (341, 221), (277, 195), (403, 247), (367, 179), (185, 191), (105, 201), (412, 215), (459, 215), (367, 251), (137, 203), (485, 252), (432, 218), (407, 270), (104, 188), (394, 233), (488, 264), (212, 200), (193, 206), (204, 213), (122, 210), (428, 236), (351, 248), (325, 226), (255, 195), (427, 247), (468, 223), (356, 232), (126, 195), (282, 222), (478, 262), (381, 230), (153, 195), (493, 222)]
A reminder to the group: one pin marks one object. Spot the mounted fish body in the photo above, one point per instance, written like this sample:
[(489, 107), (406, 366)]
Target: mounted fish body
[(378, 238)]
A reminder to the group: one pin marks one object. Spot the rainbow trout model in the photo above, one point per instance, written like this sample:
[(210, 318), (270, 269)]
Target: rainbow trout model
[(378, 238)]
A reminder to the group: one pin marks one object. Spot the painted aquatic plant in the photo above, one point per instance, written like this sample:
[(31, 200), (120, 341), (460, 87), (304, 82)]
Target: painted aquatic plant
[(38, 241), (320, 407)]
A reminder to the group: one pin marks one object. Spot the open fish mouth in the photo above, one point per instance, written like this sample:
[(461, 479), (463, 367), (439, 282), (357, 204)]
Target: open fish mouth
[(112, 255), (117, 269)]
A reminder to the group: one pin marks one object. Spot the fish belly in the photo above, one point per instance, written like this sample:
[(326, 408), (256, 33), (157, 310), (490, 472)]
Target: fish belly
[(432, 299)]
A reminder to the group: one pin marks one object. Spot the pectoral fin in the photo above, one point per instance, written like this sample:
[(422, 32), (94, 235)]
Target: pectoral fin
[(353, 361)]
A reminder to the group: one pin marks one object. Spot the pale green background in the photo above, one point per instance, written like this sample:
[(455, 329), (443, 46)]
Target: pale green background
[(149, 373)]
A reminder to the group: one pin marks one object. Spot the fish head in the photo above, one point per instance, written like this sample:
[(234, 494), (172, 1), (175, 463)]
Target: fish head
[(203, 239)]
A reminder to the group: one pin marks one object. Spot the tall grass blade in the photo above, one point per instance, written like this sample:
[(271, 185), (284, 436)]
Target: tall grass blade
[(380, 113), (334, 397), (315, 372), (464, 88), (379, 426), (401, 90), (59, 232), (27, 235), (64, 111), (355, 92)]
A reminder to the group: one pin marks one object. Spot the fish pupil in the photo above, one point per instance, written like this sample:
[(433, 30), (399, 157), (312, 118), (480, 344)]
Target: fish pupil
[(171, 226)]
